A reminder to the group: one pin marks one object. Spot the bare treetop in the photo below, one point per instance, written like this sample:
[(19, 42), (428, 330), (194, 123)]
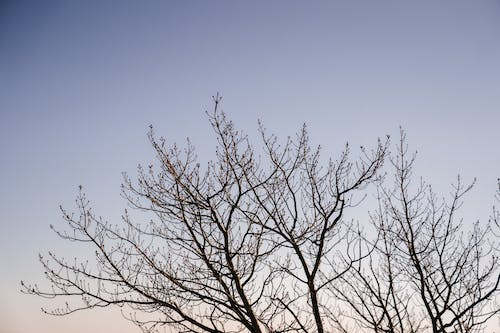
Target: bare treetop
[(260, 243)]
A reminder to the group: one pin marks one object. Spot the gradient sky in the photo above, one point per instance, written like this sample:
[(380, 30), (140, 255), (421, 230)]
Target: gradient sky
[(80, 81)]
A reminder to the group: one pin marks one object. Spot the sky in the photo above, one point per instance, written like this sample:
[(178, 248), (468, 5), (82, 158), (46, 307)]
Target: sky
[(81, 81)]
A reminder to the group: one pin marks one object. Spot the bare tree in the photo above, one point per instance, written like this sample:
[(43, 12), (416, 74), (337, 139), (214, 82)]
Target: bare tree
[(248, 244), (426, 271), (259, 241)]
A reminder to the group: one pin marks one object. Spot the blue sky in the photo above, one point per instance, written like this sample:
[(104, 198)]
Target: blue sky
[(80, 81)]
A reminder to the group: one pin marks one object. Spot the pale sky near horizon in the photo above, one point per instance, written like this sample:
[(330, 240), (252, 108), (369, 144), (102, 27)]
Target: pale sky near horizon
[(80, 81)]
